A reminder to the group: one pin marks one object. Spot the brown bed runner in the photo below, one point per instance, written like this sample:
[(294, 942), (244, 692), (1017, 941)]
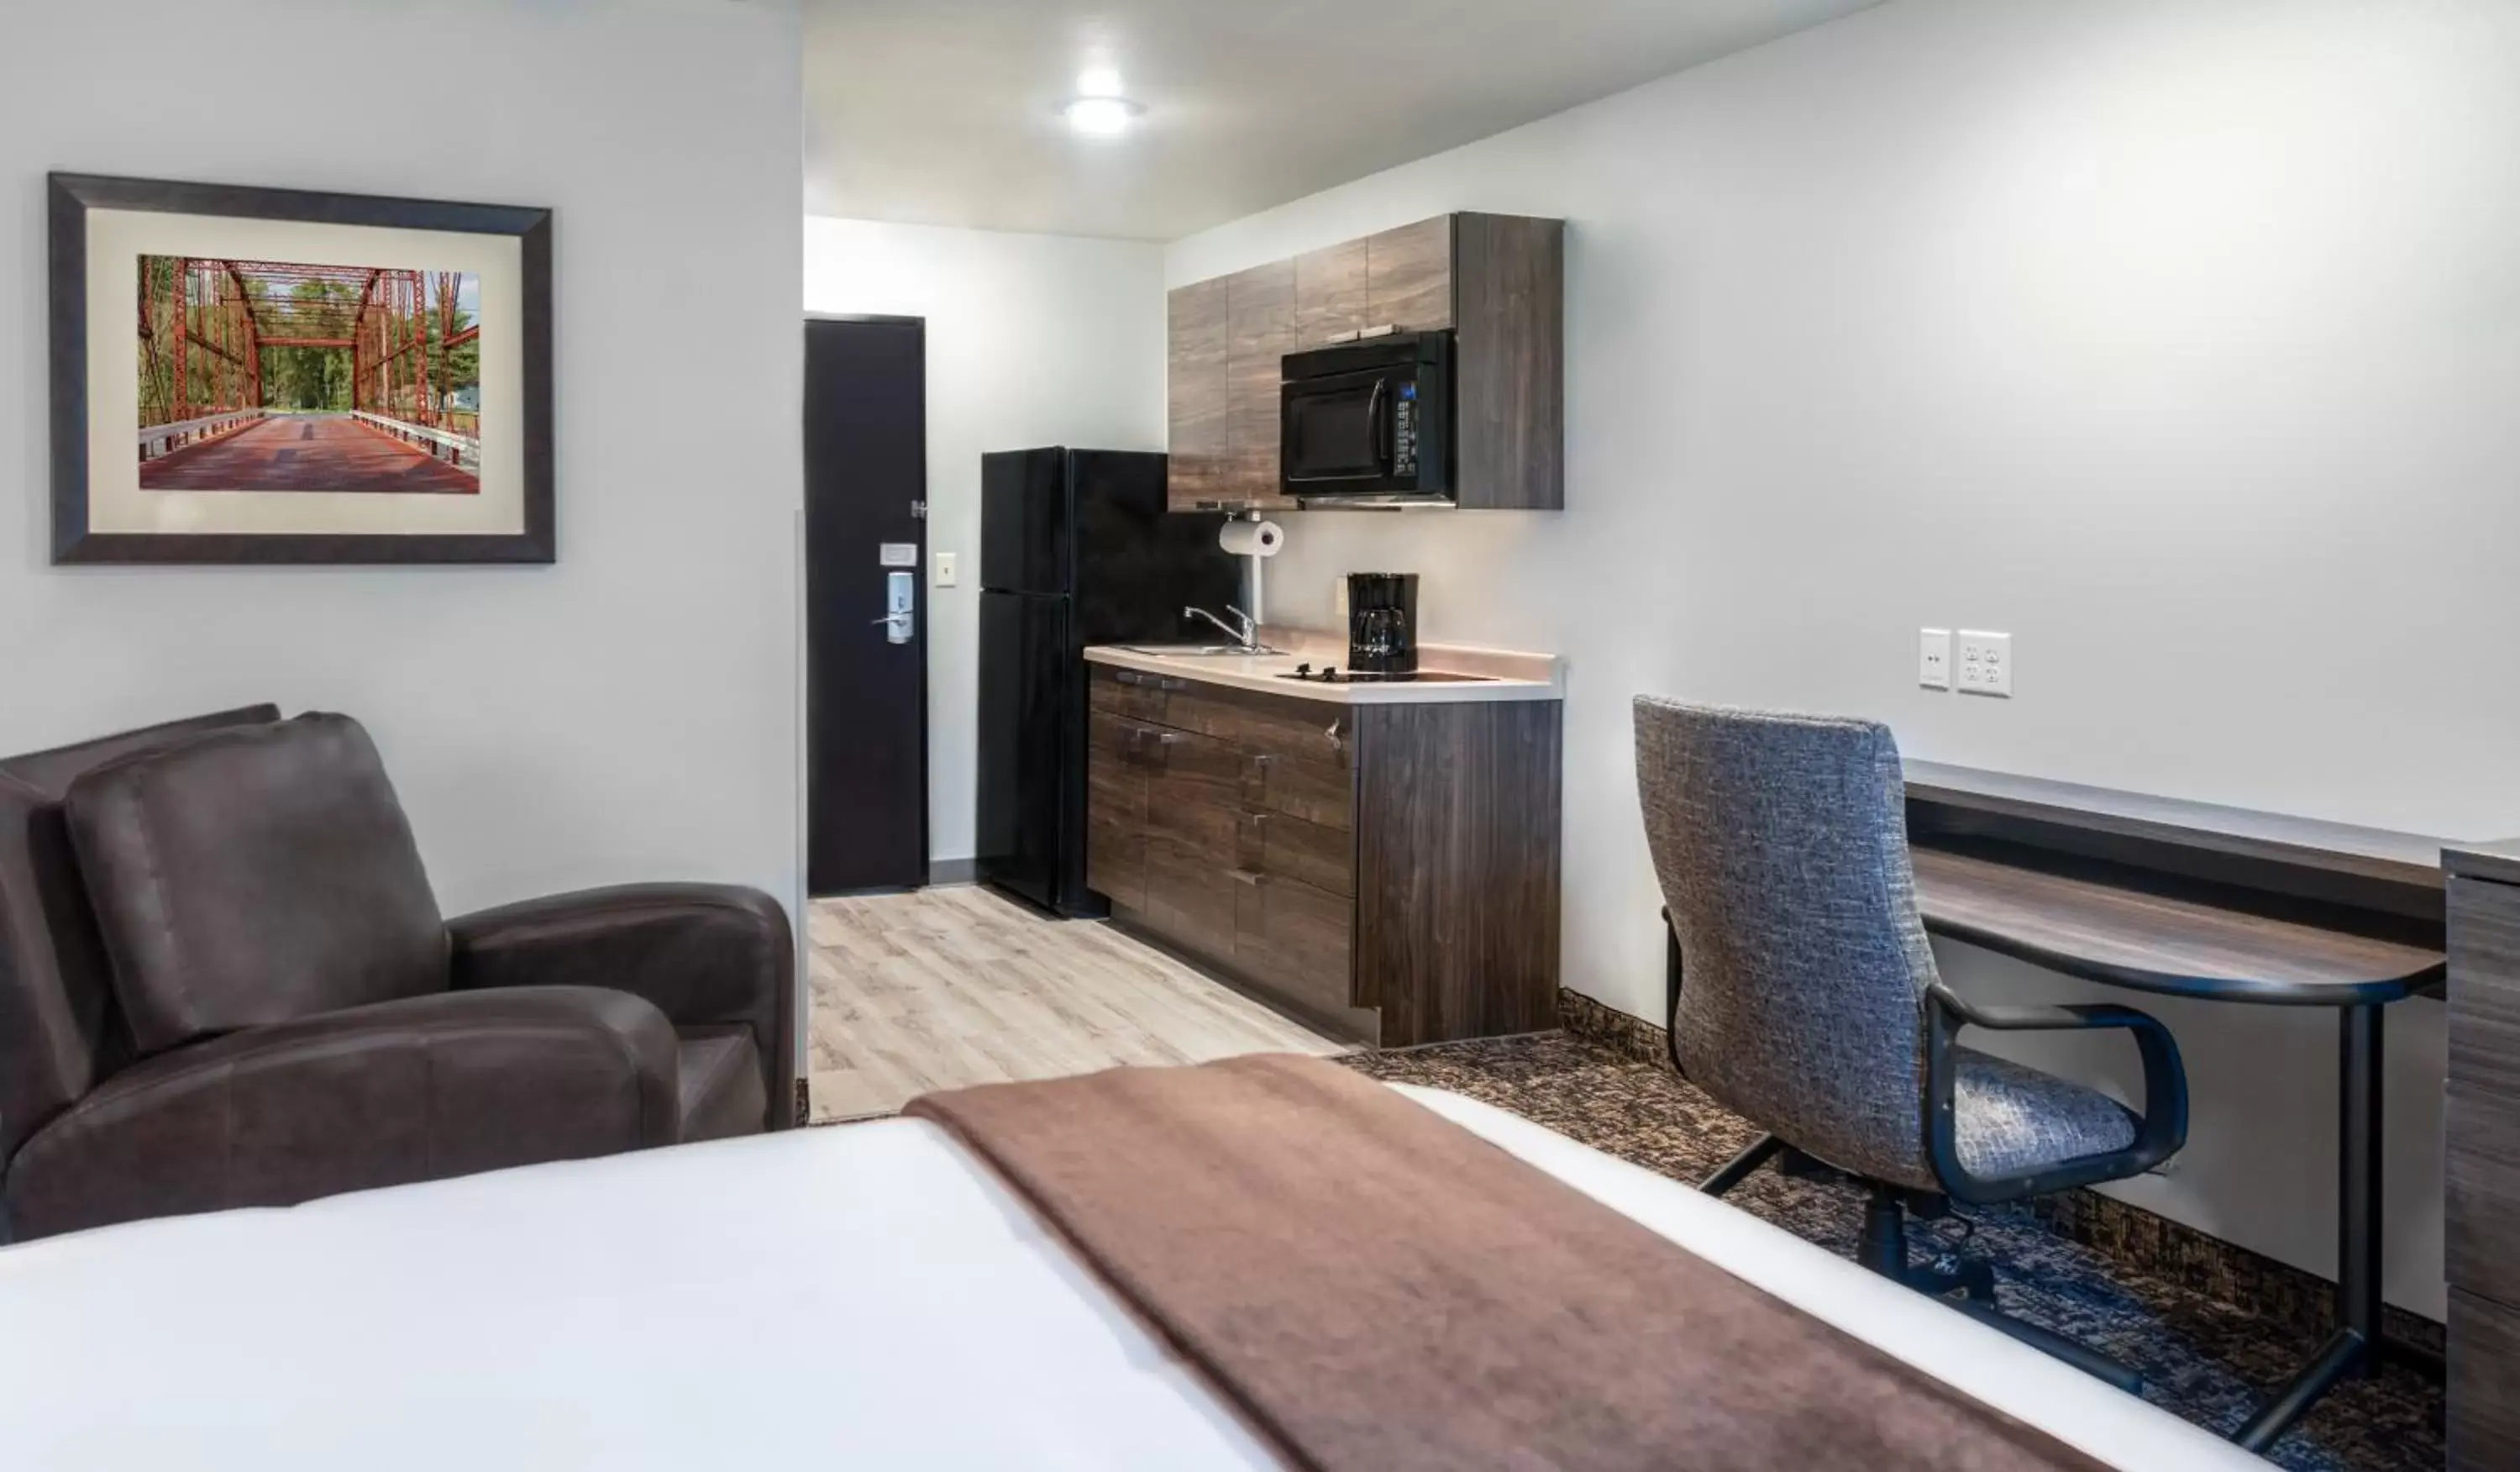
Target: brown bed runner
[(1375, 1287)]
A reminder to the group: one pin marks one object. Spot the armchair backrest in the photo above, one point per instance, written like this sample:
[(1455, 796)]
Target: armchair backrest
[(1781, 847), (59, 1029)]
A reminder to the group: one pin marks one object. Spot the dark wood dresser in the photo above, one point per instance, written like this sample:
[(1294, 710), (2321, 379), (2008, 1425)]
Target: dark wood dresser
[(1384, 872), (2483, 1219)]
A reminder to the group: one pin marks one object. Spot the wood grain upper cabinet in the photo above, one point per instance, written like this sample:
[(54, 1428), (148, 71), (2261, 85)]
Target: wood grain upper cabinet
[(1197, 327), (1261, 303), (1409, 276), (1331, 298), (1496, 280)]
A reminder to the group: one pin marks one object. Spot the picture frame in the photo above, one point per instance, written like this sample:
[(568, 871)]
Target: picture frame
[(312, 378)]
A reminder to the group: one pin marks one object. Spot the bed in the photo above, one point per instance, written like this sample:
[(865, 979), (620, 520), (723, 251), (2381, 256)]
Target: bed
[(865, 1296)]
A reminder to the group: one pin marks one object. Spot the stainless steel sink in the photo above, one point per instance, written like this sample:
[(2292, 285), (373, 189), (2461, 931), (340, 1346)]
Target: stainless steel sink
[(1178, 650)]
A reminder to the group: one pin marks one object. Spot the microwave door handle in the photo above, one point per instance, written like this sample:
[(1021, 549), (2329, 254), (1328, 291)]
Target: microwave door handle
[(1373, 429)]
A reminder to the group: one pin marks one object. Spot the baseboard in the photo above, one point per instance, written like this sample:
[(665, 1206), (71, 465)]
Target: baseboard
[(953, 870), (804, 1103), (2135, 1239)]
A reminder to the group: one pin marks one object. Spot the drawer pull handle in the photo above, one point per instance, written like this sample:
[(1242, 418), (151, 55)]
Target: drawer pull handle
[(1330, 733), (1245, 876), (1171, 682), (1130, 677)]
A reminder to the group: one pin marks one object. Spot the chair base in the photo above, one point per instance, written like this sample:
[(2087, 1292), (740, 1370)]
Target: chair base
[(1884, 1249)]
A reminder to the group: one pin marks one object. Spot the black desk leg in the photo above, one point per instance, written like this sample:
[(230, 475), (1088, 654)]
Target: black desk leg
[(2353, 1348)]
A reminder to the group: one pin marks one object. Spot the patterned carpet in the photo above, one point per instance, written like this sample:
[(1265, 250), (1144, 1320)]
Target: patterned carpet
[(2200, 1359)]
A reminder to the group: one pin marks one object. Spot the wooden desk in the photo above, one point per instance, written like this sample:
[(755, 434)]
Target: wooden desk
[(2219, 903)]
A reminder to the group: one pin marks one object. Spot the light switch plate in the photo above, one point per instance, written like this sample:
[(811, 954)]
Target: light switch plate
[(1934, 658), (947, 574), (1985, 663)]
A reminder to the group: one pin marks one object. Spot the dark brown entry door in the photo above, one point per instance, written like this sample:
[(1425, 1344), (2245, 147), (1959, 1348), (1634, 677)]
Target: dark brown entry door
[(866, 663)]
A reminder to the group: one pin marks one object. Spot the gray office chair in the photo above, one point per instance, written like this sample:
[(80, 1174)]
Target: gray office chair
[(1811, 1005)]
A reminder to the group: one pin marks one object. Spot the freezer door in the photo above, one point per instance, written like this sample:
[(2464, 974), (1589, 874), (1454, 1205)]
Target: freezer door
[(1025, 522)]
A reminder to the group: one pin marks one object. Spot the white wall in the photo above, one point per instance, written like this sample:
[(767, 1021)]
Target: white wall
[(627, 714), (1032, 340), (2180, 340)]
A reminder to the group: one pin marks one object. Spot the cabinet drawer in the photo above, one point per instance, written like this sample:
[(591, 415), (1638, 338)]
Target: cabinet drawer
[(2482, 1216), (1134, 694), (1282, 847), (1308, 730), (2485, 987), (1297, 939), (2483, 1385)]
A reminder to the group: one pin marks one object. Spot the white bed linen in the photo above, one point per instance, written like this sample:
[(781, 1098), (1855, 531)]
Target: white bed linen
[(864, 1297)]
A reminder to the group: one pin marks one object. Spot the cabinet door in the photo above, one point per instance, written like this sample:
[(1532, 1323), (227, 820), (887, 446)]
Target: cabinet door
[(1288, 848), (1261, 304), (1197, 324), (1409, 276), (1297, 939), (1115, 811), (1192, 805), (1330, 293), (2484, 1364)]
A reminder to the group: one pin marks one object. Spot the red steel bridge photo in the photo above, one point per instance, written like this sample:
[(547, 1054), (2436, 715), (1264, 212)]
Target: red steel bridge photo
[(259, 375)]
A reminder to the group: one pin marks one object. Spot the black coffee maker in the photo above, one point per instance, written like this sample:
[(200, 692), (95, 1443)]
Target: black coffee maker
[(1382, 622)]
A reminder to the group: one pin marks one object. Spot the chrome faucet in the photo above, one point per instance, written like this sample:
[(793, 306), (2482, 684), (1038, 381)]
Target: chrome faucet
[(1246, 638)]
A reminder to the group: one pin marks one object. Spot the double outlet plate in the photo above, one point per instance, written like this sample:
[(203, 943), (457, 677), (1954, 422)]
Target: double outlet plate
[(1981, 665)]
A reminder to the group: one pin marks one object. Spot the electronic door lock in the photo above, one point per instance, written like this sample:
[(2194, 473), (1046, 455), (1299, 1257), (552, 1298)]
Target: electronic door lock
[(900, 618)]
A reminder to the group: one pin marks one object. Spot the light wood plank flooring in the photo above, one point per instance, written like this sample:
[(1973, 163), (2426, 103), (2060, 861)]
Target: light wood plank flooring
[(954, 985)]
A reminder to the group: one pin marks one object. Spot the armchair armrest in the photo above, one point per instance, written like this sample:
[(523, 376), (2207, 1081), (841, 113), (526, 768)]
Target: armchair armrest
[(2160, 1132), (705, 954), (399, 1092)]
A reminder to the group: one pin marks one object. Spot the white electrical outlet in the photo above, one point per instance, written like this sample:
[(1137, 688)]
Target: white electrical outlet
[(947, 574), (1986, 664), (1934, 658)]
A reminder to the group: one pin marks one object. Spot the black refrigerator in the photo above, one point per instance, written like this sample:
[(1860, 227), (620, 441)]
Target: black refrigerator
[(1076, 548)]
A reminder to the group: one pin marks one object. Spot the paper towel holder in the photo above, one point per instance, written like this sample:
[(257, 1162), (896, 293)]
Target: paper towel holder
[(1255, 539)]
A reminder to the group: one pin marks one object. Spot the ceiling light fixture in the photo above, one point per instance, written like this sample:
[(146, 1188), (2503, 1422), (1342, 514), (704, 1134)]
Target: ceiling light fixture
[(1098, 108), (1100, 117)]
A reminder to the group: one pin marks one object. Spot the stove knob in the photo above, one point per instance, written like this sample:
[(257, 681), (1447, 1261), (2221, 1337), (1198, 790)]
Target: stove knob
[(1303, 669), (1330, 672)]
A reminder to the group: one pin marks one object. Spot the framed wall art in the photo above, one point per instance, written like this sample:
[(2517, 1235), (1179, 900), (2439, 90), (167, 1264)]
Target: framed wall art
[(276, 376)]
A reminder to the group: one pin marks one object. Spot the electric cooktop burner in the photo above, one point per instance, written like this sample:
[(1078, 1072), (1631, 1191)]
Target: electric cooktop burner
[(1331, 675)]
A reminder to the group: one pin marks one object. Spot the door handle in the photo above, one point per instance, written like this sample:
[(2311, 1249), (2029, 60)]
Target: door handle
[(897, 627)]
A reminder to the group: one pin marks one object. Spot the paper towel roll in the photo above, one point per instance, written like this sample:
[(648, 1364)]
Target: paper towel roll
[(1252, 538)]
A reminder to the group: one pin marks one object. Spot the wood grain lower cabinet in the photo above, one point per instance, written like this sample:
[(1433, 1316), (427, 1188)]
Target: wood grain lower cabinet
[(1387, 873), (2482, 1126), (2484, 1388), (1115, 813)]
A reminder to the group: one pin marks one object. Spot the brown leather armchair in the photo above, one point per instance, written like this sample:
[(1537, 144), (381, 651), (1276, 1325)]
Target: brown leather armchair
[(224, 982)]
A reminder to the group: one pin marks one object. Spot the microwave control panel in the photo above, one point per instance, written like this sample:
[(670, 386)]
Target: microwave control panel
[(1404, 432)]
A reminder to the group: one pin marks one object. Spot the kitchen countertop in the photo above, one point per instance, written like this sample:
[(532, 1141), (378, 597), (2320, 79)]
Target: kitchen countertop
[(1513, 676)]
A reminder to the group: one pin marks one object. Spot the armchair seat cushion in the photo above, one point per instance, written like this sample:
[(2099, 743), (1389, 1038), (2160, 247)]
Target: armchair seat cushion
[(720, 1089), (2012, 1119)]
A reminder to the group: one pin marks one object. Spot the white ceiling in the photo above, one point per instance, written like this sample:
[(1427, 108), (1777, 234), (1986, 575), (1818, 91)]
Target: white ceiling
[(946, 111)]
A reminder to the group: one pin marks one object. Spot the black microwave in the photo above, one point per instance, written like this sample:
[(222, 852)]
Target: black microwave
[(1369, 423)]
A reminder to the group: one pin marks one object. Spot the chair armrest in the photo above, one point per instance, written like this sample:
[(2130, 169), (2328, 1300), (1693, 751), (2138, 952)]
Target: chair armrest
[(415, 1089), (2160, 1132), (704, 953)]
